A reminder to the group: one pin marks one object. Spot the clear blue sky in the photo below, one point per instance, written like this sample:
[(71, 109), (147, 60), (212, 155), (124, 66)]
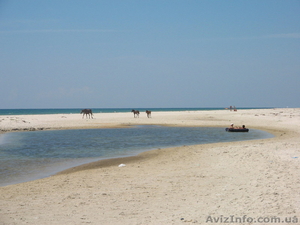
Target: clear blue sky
[(149, 53)]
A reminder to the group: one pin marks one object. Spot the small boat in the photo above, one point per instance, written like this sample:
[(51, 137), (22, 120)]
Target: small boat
[(237, 130)]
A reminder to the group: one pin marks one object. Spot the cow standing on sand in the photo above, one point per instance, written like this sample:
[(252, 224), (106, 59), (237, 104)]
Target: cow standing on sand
[(136, 113), (87, 112), (148, 113)]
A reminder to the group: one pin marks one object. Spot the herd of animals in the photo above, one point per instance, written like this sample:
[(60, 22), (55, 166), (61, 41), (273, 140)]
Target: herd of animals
[(136, 113)]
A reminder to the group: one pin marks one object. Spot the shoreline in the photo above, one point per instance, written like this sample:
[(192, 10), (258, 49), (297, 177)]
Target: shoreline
[(110, 161), (256, 178), (116, 161)]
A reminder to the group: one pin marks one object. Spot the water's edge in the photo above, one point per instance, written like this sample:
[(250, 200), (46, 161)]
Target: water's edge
[(79, 164)]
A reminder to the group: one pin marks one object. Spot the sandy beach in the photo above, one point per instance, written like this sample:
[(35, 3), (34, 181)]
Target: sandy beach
[(247, 182)]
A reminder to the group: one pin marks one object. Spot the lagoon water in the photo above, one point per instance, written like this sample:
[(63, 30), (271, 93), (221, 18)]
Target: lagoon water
[(26, 156)]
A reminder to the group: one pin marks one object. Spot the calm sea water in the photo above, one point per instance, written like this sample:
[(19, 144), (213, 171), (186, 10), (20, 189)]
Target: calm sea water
[(97, 110), (27, 156)]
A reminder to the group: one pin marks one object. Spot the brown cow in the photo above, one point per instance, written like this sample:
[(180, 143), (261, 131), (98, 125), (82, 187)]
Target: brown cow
[(148, 113), (87, 112), (136, 113)]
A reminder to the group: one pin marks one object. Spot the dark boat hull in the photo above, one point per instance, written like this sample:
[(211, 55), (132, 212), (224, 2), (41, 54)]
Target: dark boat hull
[(236, 130)]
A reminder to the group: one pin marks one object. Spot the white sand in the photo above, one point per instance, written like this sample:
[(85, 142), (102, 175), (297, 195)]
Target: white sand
[(182, 185)]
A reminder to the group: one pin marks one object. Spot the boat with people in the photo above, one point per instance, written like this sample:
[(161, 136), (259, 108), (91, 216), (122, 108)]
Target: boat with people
[(232, 128), (237, 129)]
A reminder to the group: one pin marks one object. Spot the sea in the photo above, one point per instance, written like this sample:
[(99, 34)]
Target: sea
[(103, 110), (26, 156)]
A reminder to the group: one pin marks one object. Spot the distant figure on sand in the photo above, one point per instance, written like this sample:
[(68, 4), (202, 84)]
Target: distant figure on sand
[(136, 113), (87, 112), (148, 113)]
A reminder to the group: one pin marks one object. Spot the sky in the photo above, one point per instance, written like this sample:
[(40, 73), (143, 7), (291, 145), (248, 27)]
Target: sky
[(149, 53)]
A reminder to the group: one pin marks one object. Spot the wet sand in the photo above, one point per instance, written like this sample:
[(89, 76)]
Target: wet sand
[(190, 184)]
